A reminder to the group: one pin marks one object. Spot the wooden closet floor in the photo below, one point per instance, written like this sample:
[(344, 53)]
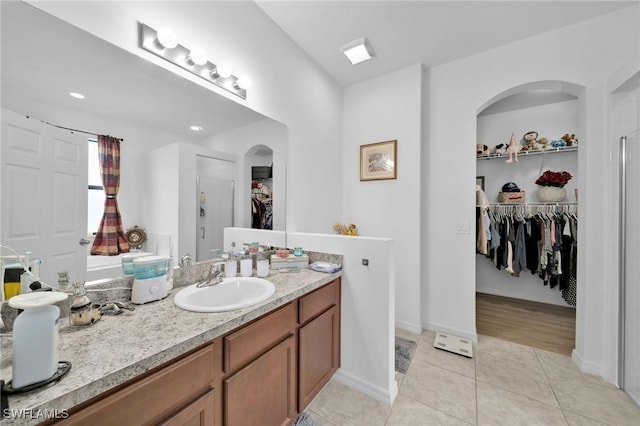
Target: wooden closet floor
[(540, 325)]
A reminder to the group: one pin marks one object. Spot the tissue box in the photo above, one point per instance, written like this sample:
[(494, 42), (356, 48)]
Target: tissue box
[(289, 262), (511, 197)]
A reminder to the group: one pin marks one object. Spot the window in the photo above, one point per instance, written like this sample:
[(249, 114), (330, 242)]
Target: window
[(96, 190)]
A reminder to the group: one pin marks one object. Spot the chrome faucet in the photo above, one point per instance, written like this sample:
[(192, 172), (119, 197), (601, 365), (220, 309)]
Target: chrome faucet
[(215, 275)]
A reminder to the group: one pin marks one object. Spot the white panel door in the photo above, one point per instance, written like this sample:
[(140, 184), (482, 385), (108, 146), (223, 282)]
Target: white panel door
[(44, 194)]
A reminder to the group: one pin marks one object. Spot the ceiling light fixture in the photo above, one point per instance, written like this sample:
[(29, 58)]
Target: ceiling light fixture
[(76, 95), (196, 128), (164, 44), (358, 51)]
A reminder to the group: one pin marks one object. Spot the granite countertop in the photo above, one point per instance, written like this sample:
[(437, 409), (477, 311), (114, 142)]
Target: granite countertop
[(119, 348)]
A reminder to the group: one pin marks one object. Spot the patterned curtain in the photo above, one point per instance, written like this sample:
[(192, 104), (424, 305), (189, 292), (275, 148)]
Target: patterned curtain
[(110, 239)]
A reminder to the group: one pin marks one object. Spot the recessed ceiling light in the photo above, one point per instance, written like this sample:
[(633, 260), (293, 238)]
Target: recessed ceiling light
[(77, 95), (196, 128), (358, 51)]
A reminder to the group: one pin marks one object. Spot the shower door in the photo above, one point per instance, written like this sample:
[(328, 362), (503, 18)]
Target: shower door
[(630, 267), (215, 212)]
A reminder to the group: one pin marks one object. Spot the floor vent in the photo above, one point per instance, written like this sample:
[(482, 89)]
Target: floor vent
[(454, 344)]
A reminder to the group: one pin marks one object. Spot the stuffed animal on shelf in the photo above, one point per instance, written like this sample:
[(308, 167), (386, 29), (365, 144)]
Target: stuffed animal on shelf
[(543, 143), (530, 141), (501, 148), (512, 149), (482, 150), (558, 144), (570, 139)]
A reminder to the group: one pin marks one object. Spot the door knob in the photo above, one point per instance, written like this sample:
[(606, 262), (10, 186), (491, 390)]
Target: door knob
[(83, 241)]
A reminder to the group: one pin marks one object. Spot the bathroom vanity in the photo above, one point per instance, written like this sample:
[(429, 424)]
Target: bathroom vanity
[(161, 365)]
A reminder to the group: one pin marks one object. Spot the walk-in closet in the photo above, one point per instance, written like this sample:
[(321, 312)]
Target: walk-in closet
[(527, 217)]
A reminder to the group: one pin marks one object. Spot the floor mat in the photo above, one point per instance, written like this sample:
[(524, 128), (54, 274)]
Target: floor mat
[(305, 419), (404, 353)]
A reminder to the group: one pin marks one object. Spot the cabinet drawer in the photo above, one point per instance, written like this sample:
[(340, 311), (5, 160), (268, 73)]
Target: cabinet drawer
[(319, 301), (154, 397), (198, 413), (249, 342)]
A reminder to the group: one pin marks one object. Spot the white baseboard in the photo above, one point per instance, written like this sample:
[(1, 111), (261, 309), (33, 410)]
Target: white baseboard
[(411, 328), (369, 389), (432, 326), (591, 367)]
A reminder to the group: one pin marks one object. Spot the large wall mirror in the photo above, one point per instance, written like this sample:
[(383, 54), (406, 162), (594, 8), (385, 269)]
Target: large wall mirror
[(44, 59)]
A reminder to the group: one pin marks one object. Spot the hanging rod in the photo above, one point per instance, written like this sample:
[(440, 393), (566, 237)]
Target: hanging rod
[(533, 208), (537, 203), (70, 129)]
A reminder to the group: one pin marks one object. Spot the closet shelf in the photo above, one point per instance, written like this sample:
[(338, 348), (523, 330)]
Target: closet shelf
[(529, 153)]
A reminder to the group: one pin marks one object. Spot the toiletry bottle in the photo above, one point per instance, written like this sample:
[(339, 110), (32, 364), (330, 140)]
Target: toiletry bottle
[(262, 266), (231, 265), (246, 267), (63, 282)]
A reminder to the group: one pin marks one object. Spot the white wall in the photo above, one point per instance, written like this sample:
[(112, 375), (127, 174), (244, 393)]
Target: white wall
[(287, 85), (585, 54), (377, 110), (367, 332)]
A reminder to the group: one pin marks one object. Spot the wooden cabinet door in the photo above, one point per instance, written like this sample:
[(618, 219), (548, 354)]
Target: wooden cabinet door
[(318, 355), (198, 413), (264, 392)]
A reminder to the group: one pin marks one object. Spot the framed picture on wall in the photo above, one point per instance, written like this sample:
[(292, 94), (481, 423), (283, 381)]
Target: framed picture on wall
[(378, 161), (480, 182)]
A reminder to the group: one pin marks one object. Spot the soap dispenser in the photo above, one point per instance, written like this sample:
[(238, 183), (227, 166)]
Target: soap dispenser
[(35, 338)]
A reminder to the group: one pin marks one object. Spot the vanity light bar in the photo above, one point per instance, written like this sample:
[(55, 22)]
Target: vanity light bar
[(182, 57)]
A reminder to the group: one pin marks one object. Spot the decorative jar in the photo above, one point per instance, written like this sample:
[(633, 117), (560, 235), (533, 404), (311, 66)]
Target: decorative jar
[(551, 194)]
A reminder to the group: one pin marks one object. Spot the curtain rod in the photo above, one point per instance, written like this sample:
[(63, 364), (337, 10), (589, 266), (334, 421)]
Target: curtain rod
[(73, 130)]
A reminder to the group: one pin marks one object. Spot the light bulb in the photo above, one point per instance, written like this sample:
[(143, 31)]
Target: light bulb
[(224, 70), (197, 56), (244, 82), (167, 38)]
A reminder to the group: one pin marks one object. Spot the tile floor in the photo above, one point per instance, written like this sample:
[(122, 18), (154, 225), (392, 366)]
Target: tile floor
[(503, 384)]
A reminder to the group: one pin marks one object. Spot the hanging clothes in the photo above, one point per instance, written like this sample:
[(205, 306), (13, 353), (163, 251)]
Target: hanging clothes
[(483, 228), (542, 242)]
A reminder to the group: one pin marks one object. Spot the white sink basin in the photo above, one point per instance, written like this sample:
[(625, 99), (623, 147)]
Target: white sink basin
[(230, 294)]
